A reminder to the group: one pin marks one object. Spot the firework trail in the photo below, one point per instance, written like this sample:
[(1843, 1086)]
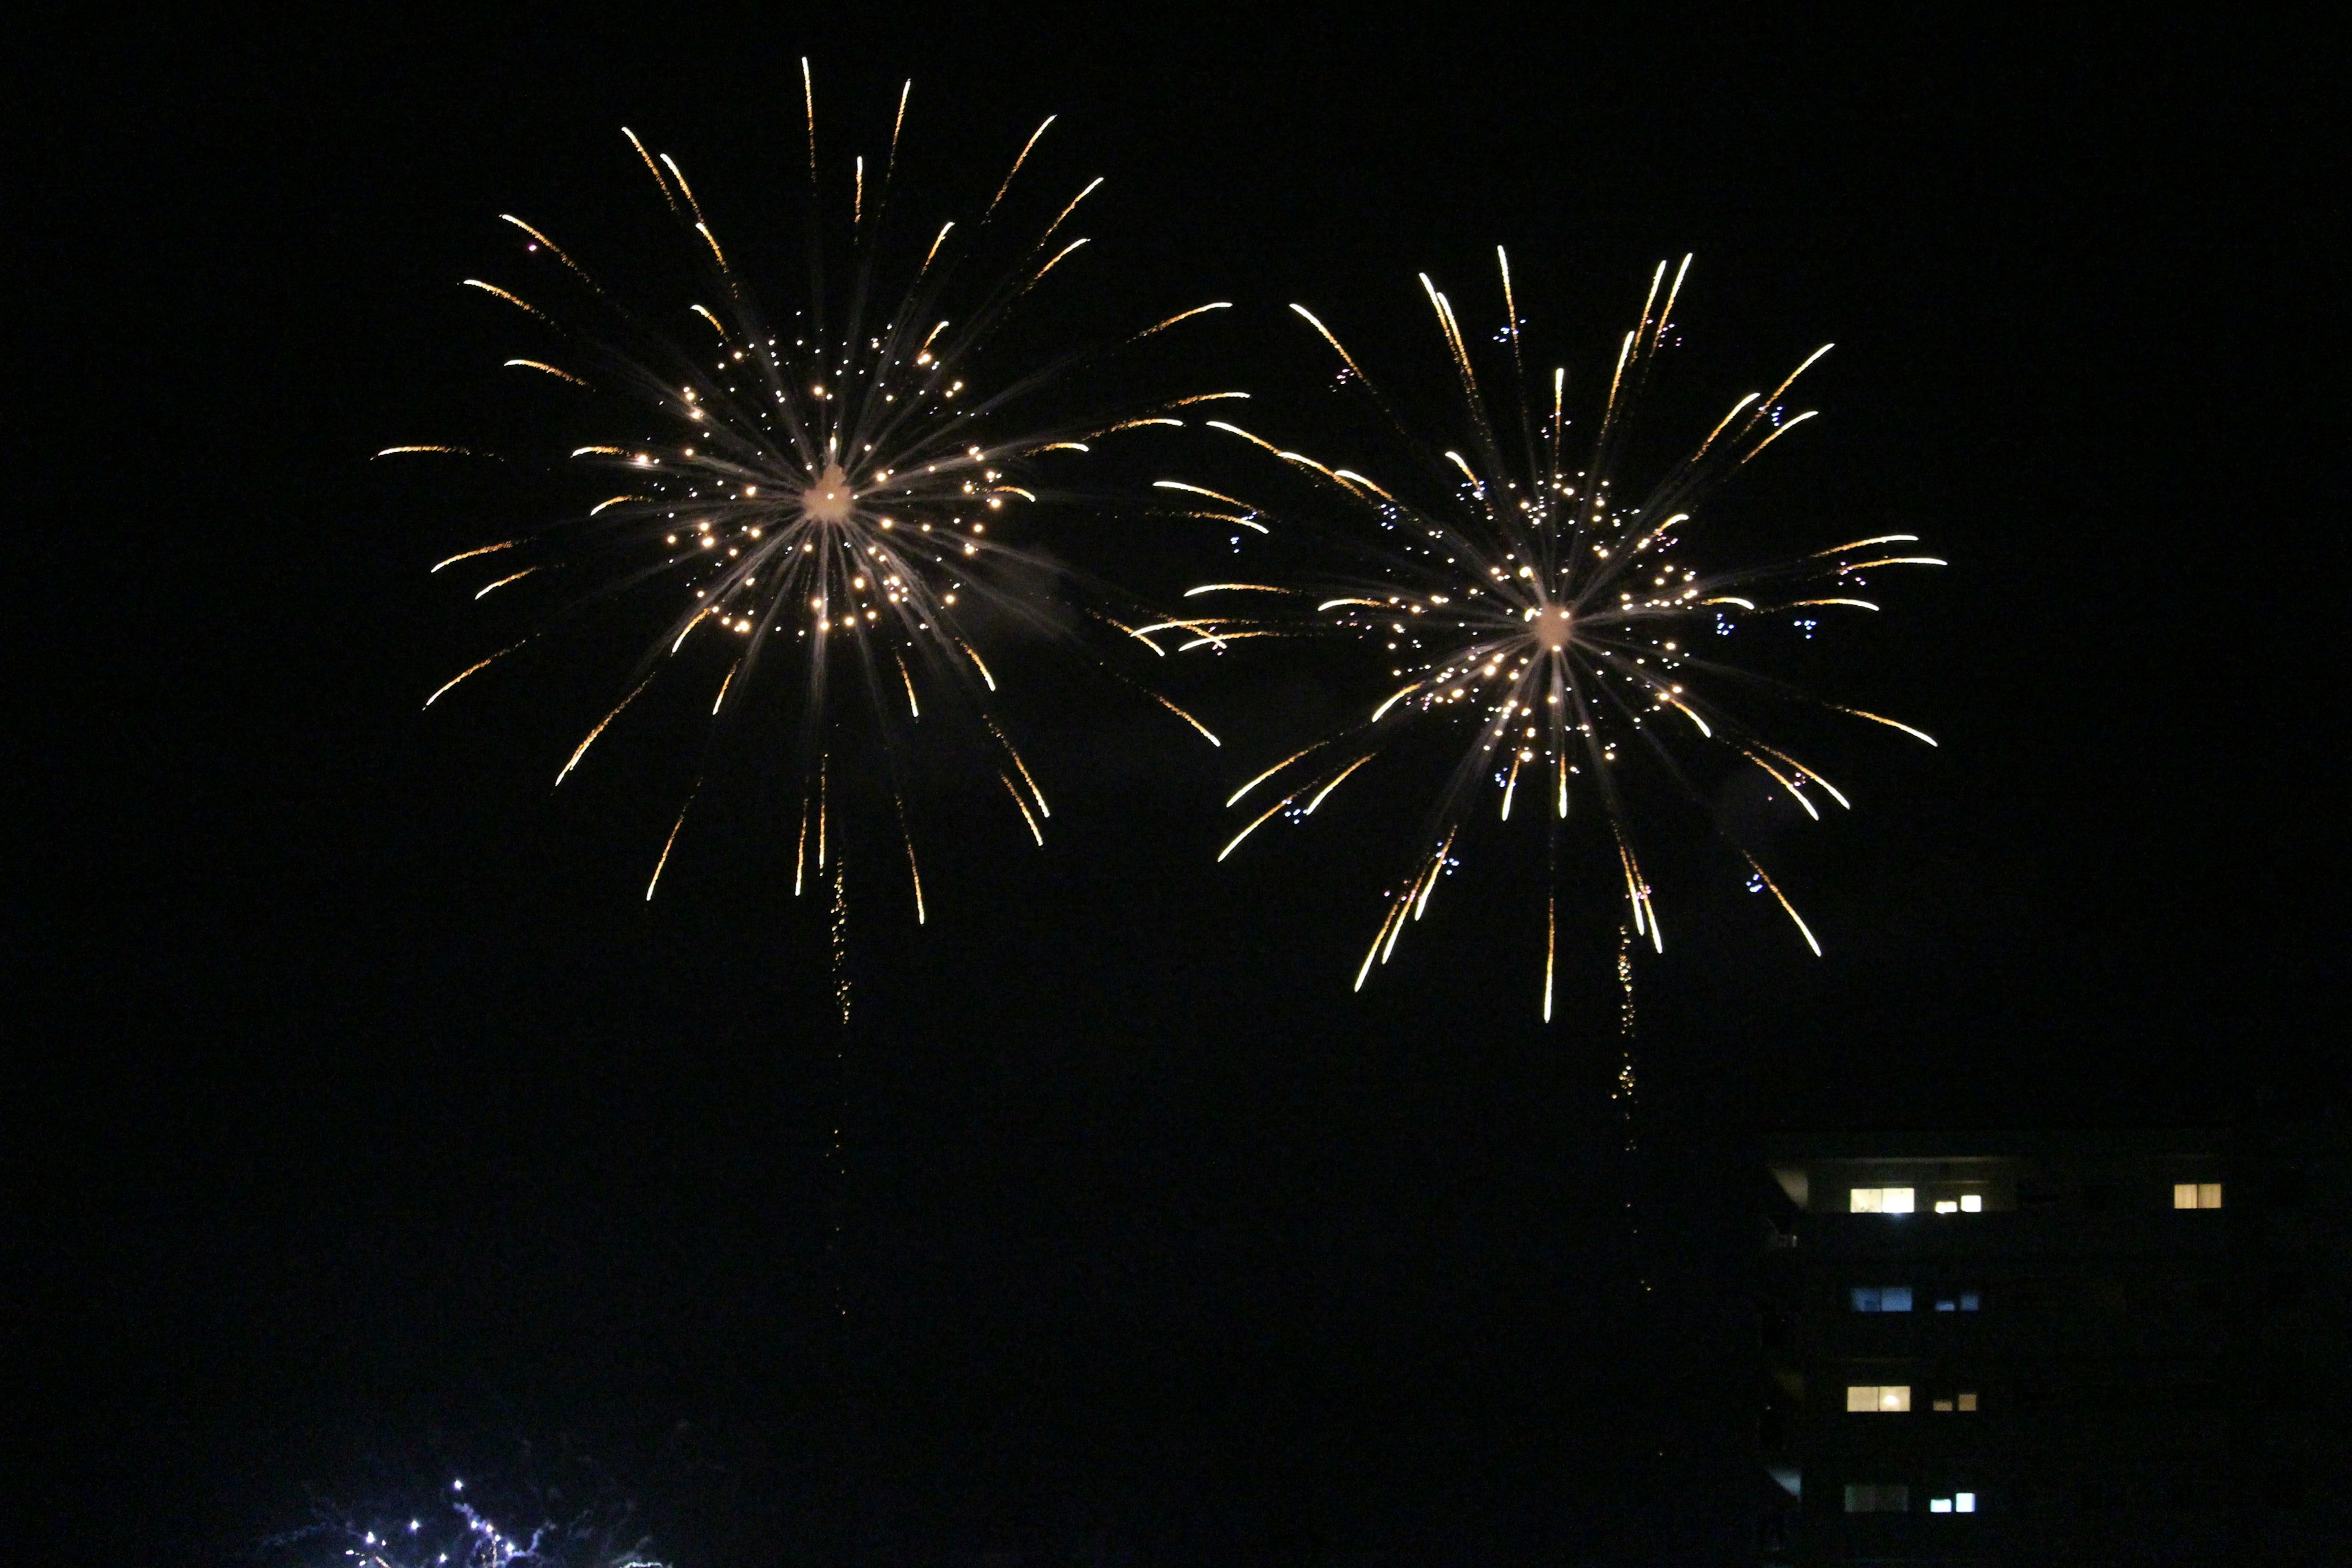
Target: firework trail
[(839, 498), (1564, 632)]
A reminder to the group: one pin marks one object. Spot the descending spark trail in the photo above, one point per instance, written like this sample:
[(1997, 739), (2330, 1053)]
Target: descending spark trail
[(1528, 606), (1626, 1092), (837, 1146), (839, 497)]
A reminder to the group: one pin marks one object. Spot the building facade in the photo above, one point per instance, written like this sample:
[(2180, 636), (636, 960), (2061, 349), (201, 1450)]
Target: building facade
[(2052, 1348)]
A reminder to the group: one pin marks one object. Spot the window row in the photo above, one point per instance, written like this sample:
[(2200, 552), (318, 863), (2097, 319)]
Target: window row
[(2283, 1488), (1905, 1200), (1897, 1299), (1895, 1398), (1882, 1498), (2099, 1294)]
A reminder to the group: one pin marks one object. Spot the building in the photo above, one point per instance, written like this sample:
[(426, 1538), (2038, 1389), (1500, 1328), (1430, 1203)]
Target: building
[(2056, 1348)]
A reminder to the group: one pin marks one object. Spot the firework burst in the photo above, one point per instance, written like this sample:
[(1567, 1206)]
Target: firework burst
[(459, 1535), (1566, 631), (839, 498)]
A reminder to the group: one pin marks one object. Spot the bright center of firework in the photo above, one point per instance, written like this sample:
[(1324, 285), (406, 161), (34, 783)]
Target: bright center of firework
[(1552, 629), (829, 497)]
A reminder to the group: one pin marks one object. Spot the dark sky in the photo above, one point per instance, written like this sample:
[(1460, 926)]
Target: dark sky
[(371, 1125)]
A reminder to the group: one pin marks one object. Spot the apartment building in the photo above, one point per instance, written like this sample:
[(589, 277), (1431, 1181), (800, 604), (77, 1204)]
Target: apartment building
[(2055, 1348)]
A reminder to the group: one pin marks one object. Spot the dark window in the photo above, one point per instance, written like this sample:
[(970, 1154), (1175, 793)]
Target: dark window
[(2290, 1393), (2286, 1189), (1881, 1297)]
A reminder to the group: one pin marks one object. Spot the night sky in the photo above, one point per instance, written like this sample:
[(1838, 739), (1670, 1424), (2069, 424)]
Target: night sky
[(370, 1125)]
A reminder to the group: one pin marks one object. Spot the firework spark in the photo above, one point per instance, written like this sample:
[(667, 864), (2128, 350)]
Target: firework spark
[(1528, 606), (843, 496)]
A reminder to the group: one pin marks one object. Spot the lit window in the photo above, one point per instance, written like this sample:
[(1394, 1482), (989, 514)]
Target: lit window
[(1877, 1399), (1958, 1502), (1965, 1301), (1881, 1297), (1956, 1403), (1967, 1402), (1877, 1500), (2185, 1195), (1966, 1203), (1884, 1200)]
